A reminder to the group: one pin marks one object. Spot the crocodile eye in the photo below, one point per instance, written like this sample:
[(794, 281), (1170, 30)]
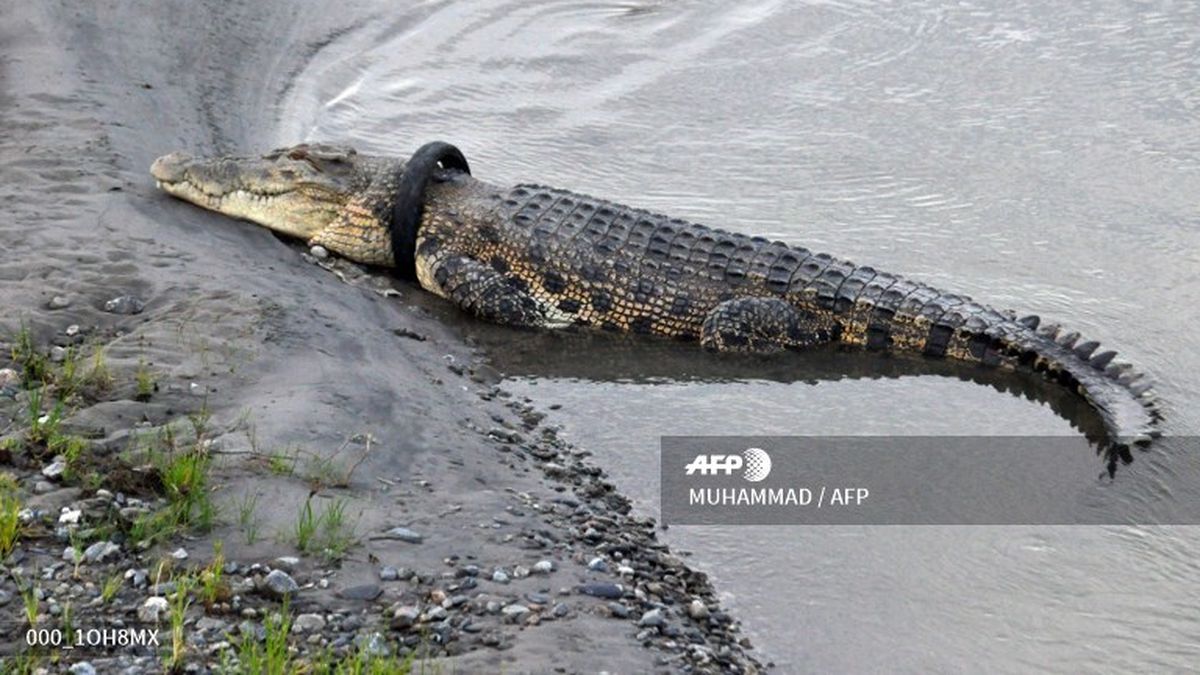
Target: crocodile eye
[(298, 152)]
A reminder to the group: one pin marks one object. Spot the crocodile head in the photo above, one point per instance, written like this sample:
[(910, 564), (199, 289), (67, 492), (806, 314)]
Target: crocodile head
[(296, 191)]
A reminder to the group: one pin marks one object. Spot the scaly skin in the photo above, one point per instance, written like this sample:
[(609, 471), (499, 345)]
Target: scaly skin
[(541, 257)]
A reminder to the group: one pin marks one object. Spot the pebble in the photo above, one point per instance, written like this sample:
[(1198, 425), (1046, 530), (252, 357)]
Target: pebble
[(537, 598), (520, 572), (543, 567), (405, 616), (500, 577), (253, 629), (207, 624), (625, 571), (5, 597), (287, 563), (308, 623), (58, 302), (69, 516), (100, 551), (598, 565), (435, 613), (514, 612), (9, 377), (403, 534), (125, 304), (602, 589), (373, 644), (561, 609), (42, 487), (58, 354), (652, 619), (55, 468), (140, 576), (618, 610), (388, 573), (72, 554), (152, 609), (82, 668), (280, 583), (366, 592), (179, 554), (318, 252), (72, 330), (698, 610)]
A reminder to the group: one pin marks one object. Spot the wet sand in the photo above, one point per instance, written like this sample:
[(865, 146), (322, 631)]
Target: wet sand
[(286, 356)]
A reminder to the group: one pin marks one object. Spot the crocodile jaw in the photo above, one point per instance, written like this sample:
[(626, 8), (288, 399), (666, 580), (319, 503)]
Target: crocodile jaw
[(293, 197)]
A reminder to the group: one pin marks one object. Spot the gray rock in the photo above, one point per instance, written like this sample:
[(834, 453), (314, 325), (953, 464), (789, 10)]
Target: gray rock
[(152, 609), (537, 598), (618, 610), (602, 589), (520, 572), (598, 565), (72, 554), (652, 618), (101, 551), (207, 624), (435, 613), (543, 567), (139, 576), (405, 616), (697, 610), (500, 577), (373, 644), (125, 304), (561, 609), (287, 563), (82, 668), (9, 377), (43, 487), (280, 584), (318, 252), (72, 330), (366, 592), (403, 534), (514, 612), (179, 554), (55, 469), (253, 629), (388, 573), (58, 302), (58, 354), (5, 597), (308, 623)]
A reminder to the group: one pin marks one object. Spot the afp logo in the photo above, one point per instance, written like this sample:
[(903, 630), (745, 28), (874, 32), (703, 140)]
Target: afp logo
[(755, 462)]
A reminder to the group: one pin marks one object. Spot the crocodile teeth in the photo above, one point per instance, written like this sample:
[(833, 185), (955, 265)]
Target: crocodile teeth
[(1102, 359), (1068, 340), (1084, 349)]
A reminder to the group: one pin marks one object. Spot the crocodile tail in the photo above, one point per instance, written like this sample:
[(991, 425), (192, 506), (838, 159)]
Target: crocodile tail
[(1123, 397)]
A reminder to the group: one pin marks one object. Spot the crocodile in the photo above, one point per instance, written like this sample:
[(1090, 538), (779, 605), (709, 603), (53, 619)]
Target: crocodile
[(536, 256)]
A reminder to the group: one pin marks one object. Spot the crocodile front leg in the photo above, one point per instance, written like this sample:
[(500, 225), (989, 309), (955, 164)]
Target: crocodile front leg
[(762, 325), (486, 293)]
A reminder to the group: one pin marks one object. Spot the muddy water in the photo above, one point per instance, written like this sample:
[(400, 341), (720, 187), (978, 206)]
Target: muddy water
[(1037, 155)]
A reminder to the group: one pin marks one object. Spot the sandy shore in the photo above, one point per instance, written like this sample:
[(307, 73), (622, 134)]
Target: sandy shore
[(311, 390)]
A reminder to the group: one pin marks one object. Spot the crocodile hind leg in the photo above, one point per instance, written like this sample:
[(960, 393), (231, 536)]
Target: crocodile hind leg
[(762, 325), (486, 293)]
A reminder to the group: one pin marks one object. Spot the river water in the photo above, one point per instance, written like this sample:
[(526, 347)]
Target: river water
[(1043, 156)]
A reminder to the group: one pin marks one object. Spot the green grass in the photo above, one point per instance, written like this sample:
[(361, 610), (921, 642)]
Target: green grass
[(213, 588), (271, 657), (327, 533), (179, 603), (99, 378), (111, 587), (247, 518), (146, 384), (42, 426), (33, 363), (10, 522), (29, 597), (185, 477)]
